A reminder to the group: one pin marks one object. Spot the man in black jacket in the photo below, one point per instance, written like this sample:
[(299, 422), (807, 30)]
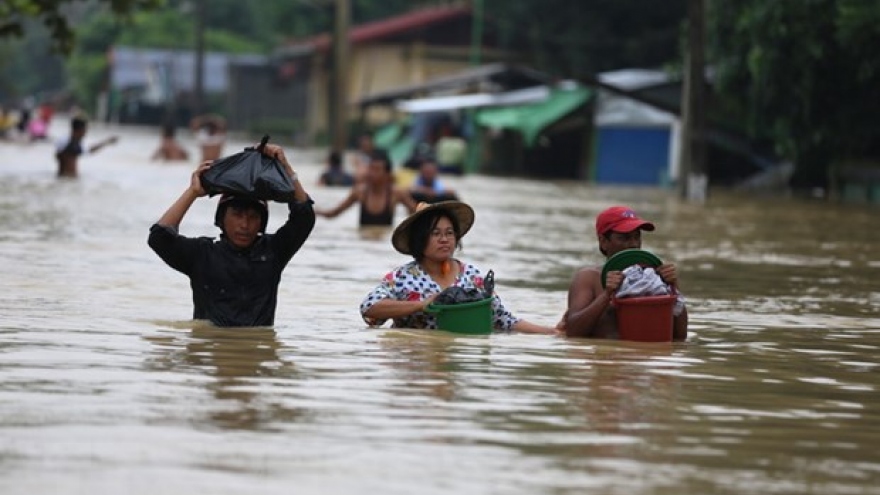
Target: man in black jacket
[(234, 279)]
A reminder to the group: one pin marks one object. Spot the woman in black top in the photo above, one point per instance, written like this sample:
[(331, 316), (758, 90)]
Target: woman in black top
[(376, 195)]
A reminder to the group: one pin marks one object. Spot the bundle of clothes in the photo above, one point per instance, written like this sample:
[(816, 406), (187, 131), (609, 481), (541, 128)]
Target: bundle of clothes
[(641, 281), (459, 295)]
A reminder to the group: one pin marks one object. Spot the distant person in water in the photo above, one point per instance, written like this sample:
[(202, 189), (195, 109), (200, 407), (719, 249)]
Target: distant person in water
[(169, 149), (24, 114), (68, 151), (428, 187), (7, 123), (376, 194), (38, 126), (335, 175), (210, 134), (451, 150), (363, 155)]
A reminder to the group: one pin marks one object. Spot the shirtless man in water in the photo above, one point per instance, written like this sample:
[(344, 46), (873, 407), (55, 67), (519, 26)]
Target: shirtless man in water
[(68, 152), (590, 313), (211, 135), (169, 149)]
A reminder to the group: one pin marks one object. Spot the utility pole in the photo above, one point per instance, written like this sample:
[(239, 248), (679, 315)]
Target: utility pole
[(693, 172), (475, 144), (199, 77), (338, 97), (476, 32)]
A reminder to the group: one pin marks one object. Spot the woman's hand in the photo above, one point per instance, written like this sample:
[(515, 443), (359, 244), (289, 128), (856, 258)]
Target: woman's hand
[(427, 301), (523, 326), (195, 183)]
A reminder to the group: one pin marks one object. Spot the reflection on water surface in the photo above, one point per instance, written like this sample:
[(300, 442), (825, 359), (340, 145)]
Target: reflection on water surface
[(105, 385)]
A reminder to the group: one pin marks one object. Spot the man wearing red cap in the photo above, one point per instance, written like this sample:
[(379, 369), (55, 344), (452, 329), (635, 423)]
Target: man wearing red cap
[(589, 312), (234, 280)]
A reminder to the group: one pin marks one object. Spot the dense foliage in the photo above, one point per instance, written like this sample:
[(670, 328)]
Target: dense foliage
[(559, 36), (15, 14), (230, 25), (582, 38), (803, 75), (797, 74)]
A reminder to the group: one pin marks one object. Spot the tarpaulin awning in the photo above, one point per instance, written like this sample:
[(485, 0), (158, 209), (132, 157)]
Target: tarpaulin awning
[(532, 118), (392, 139)]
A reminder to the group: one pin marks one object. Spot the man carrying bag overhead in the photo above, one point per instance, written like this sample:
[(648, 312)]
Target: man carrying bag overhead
[(235, 279)]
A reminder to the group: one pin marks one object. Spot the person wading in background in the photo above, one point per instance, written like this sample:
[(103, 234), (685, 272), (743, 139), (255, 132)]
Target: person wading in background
[(68, 152)]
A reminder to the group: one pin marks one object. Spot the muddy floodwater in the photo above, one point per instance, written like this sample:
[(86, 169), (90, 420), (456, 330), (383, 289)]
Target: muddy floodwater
[(107, 387)]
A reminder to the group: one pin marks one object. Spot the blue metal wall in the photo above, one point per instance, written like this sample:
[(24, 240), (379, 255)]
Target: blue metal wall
[(632, 155)]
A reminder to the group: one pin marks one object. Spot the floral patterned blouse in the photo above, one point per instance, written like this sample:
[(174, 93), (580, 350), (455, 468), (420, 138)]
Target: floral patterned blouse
[(411, 283)]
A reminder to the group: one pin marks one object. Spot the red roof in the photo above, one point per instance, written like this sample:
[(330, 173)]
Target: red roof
[(377, 30)]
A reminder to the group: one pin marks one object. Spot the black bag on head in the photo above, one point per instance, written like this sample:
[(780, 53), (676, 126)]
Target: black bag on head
[(249, 173)]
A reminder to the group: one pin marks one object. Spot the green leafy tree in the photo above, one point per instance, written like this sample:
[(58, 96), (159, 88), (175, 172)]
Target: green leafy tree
[(14, 16), (801, 74), (28, 66), (564, 37), (582, 38)]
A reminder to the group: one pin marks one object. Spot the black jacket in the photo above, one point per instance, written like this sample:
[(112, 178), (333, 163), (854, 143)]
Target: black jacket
[(232, 287)]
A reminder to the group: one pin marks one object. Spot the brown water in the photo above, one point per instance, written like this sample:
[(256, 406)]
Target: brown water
[(106, 387)]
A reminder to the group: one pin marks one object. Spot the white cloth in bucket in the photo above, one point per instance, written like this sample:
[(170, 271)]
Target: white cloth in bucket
[(640, 282)]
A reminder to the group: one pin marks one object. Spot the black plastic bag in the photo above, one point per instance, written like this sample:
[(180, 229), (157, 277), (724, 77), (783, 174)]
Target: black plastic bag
[(251, 174), (458, 295)]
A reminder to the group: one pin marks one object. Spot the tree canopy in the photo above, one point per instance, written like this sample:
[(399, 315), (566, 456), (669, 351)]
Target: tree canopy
[(801, 74), (798, 74), (582, 38), (15, 14)]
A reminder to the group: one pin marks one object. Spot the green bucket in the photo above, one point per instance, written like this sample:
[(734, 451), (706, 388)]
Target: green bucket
[(473, 318)]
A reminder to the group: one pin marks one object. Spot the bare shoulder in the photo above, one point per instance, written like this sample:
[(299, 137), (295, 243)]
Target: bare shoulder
[(585, 284), (359, 192), (591, 274)]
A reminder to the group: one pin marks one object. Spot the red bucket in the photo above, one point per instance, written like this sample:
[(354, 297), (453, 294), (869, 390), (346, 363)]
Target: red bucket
[(645, 319)]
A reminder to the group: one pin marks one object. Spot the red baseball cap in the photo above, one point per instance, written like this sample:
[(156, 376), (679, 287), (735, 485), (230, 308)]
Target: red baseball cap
[(620, 219)]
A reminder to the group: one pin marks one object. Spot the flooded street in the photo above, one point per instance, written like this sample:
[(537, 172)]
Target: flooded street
[(107, 387)]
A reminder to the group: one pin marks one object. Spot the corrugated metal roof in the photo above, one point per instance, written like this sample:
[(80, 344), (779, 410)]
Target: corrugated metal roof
[(634, 79), (382, 29), (475, 100), (505, 77)]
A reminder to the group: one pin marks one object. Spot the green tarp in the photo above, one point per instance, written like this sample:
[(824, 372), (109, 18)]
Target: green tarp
[(391, 138), (532, 118), (387, 135)]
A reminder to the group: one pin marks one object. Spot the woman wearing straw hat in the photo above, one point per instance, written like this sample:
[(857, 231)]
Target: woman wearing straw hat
[(430, 236)]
